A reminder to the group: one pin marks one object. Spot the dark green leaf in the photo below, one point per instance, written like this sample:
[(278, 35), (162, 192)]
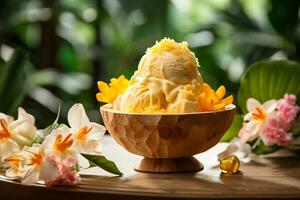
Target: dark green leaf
[(12, 82), (267, 80), (284, 16), (234, 129), (103, 163), (259, 148), (92, 164), (296, 132)]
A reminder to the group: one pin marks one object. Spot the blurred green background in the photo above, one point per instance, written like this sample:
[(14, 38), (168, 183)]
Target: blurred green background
[(52, 52)]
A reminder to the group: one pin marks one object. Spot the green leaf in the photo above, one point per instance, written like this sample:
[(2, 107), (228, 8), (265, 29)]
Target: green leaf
[(92, 164), (103, 163), (284, 16), (42, 135), (296, 132), (267, 80), (259, 148), (13, 82), (234, 129)]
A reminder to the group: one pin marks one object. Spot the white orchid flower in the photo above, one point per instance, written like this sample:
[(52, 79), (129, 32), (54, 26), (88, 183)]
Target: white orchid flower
[(14, 135), (60, 143), (87, 135), (31, 165), (255, 119), (15, 164), (38, 166)]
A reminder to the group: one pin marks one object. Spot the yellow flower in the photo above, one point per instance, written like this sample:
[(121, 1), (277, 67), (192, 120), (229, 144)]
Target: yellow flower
[(210, 100), (108, 93)]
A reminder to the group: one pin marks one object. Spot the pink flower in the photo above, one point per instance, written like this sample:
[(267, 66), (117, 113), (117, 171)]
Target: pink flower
[(290, 99), (276, 132), (287, 110), (67, 174), (272, 121), (276, 129), (256, 118)]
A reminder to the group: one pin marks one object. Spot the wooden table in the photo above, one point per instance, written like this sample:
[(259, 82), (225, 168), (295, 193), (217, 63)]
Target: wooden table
[(269, 178)]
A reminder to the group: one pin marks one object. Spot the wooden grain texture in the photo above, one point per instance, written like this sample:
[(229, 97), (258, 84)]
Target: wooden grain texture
[(267, 178), (167, 135), (169, 165), (167, 140)]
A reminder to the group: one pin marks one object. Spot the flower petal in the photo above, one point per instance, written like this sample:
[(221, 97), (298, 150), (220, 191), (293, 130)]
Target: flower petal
[(49, 141), (49, 169), (8, 147), (236, 147), (23, 129), (101, 97), (77, 117), (229, 151), (92, 147), (103, 87), (228, 100), (7, 118), (97, 131), (249, 131), (248, 116), (270, 105), (252, 104), (31, 176), (14, 173), (221, 91), (210, 93)]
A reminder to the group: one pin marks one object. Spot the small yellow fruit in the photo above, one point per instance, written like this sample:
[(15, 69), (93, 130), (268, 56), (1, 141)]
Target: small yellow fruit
[(230, 165)]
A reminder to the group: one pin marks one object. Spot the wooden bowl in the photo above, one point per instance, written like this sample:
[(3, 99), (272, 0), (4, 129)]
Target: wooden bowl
[(167, 141)]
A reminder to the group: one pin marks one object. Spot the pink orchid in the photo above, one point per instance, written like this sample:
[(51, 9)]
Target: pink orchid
[(271, 121), (67, 174), (256, 118), (276, 132), (287, 110)]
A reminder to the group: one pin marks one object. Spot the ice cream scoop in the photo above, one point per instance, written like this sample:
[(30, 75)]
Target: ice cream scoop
[(167, 80), (165, 112)]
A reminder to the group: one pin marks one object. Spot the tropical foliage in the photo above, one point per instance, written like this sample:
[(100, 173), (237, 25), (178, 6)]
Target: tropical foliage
[(70, 44)]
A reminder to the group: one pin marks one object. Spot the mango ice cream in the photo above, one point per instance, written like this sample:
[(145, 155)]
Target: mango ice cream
[(167, 81)]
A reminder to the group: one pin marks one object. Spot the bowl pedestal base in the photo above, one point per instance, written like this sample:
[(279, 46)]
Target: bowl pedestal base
[(169, 165)]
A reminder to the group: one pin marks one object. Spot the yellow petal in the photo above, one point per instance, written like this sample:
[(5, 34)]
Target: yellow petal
[(228, 100), (209, 100), (122, 77), (223, 103), (108, 93), (219, 106), (210, 93), (103, 98), (206, 103), (221, 91), (103, 87)]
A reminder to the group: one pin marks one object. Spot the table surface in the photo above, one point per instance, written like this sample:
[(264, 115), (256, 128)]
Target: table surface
[(276, 177)]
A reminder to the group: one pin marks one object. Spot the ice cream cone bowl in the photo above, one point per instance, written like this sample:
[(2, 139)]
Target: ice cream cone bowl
[(167, 141)]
